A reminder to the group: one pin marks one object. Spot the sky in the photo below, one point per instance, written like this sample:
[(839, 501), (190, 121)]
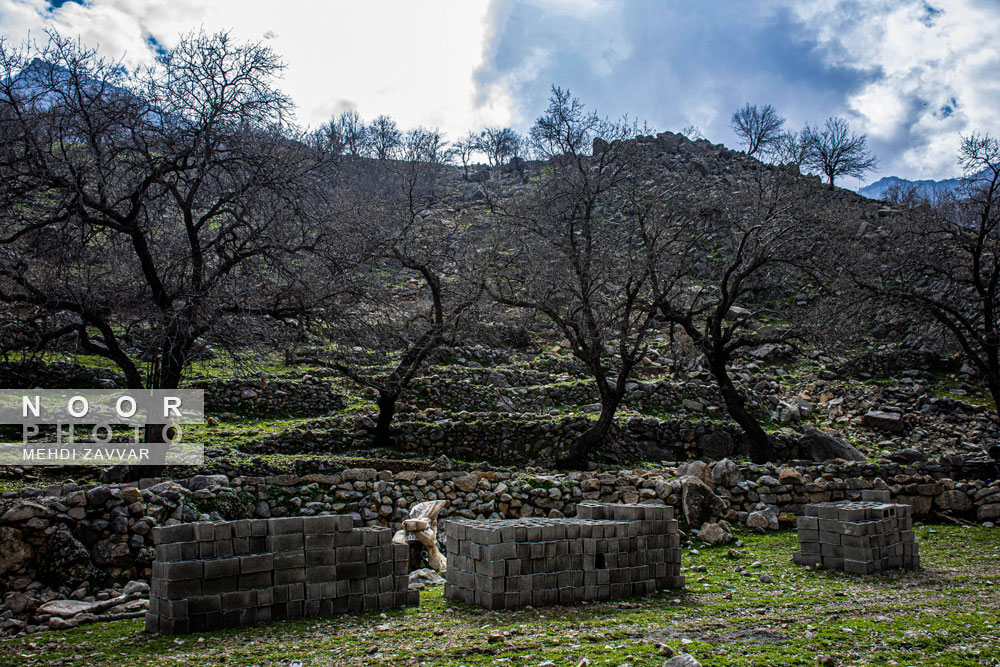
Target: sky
[(914, 75)]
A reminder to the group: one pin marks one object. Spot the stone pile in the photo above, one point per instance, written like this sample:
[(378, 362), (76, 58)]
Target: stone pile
[(863, 537), (609, 551), (226, 574)]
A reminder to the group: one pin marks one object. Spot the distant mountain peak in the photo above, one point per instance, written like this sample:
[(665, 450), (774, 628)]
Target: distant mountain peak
[(927, 188)]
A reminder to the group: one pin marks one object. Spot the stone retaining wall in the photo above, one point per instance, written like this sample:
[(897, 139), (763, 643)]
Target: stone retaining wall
[(69, 533)]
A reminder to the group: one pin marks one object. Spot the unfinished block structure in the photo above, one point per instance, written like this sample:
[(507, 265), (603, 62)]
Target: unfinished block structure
[(864, 537), (230, 573), (608, 551)]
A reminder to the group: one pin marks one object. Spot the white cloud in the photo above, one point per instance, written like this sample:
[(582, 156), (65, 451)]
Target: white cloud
[(914, 75), (394, 57), (937, 63)]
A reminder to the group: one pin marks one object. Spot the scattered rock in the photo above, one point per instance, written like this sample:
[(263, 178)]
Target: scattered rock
[(25, 511), (682, 660), (726, 473), (790, 476), (358, 474), (199, 482), (715, 534), (15, 553), (882, 420), (989, 512), (138, 587), (466, 483), (443, 463), (424, 577), (65, 608)]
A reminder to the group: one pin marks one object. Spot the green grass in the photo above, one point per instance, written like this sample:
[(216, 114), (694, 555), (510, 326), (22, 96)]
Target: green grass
[(946, 614)]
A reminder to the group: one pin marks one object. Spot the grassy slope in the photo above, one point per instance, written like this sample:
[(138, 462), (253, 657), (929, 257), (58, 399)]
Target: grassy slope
[(946, 614)]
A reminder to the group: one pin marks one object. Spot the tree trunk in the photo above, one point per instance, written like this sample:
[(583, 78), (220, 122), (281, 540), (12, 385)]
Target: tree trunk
[(759, 443), (579, 454), (386, 410), (171, 368)]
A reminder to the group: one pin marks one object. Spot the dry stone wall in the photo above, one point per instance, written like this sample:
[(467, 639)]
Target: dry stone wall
[(68, 533)]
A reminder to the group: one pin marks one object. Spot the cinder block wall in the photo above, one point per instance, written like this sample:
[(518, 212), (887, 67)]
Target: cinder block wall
[(609, 551), (225, 574)]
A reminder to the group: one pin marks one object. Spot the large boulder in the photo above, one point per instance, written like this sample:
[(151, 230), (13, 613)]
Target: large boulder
[(697, 469), (790, 476), (359, 474), (715, 533), (908, 455), (65, 560), (699, 503), (726, 473), (764, 519), (717, 445), (25, 511), (883, 421), (989, 512), (65, 608), (820, 446), (466, 483), (15, 553), (19, 603), (954, 500), (199, 482)]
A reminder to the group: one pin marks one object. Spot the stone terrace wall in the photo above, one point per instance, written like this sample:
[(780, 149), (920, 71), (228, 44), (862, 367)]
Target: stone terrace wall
[(493, 436), (60, 534)]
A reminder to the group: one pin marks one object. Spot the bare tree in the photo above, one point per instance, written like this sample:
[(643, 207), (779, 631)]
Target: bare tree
[(944, 261), (352, 133), (759, 129), (579, 253), (736, 246), (145, 213), (416, 278), (384, 137), (788, 148), (499, 144), (692, 132), (465, 148), (327, 138), (836, 151)]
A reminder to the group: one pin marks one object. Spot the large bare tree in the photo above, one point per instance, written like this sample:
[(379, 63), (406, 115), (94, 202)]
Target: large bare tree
[(576, 248), (738, 246), (145, 213), (416, 277)]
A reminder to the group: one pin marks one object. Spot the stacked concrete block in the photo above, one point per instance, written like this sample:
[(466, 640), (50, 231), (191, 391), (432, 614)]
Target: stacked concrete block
[(607, 552), (864, 537), (231, 573)]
